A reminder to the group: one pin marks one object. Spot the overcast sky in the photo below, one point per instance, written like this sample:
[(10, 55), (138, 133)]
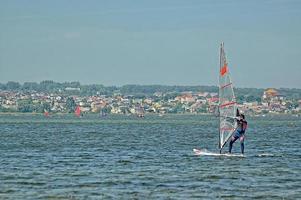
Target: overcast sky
[(172, 42)]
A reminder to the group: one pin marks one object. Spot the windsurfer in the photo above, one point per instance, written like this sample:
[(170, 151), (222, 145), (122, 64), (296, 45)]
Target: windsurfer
[(242, 125)]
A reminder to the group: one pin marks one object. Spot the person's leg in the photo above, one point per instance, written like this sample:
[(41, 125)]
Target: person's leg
[(242, 146), (233, 139)]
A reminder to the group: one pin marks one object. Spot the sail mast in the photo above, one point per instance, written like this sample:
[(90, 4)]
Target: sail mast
[(219, 128), (227, 102)]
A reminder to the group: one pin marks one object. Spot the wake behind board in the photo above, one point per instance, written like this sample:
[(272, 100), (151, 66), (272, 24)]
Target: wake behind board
[(208, 153)]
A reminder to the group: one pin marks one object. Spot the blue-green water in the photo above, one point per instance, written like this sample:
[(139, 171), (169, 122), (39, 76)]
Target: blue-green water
[(123, 157)]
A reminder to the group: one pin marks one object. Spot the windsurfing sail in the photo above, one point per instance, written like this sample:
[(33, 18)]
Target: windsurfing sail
[(227, 102), (78, 111)]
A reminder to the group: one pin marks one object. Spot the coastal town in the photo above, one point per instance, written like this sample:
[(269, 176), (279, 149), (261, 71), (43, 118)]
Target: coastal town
[(161, 103)]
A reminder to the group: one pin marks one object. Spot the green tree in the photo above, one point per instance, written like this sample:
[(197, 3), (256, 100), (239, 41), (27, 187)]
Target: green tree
[(11, 85), (30, 86), (46, 106), (25, 106), (106, 109), (178, 108), (250, 98), (70, 104), (3, 86)]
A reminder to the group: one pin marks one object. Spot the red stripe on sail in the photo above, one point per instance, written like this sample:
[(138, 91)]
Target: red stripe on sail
[(224, 70), (227, 104), (222, 87)]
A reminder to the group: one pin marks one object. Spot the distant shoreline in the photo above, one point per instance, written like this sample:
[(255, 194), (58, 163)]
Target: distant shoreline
[(147, 114)]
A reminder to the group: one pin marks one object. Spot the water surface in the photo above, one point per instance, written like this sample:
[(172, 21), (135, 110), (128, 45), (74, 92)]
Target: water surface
[(123, 157)]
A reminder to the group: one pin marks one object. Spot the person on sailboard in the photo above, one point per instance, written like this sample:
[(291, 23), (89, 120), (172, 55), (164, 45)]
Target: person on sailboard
[(242, 125)]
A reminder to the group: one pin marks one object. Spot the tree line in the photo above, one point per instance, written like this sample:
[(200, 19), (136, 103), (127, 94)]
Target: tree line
[(76, 88)]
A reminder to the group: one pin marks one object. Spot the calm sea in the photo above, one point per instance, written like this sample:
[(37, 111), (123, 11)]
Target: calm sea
[(123, 157)]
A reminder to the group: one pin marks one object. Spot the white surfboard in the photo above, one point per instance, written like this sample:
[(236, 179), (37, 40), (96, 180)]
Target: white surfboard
[(204, 152)]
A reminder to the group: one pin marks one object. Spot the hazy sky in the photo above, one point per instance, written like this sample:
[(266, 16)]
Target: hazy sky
[(173, 42)]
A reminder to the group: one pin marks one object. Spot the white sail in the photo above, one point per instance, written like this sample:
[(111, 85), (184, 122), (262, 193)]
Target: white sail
[(227, 102)]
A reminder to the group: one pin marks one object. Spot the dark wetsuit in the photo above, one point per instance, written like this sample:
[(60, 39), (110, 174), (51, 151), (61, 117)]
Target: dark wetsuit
[(239, 133)]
